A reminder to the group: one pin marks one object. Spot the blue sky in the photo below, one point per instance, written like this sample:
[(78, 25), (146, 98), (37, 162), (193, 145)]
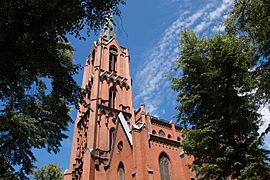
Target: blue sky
[(150, 29)]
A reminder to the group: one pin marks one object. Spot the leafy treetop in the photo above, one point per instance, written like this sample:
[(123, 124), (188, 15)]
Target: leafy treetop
[(216, 105), (48, 172), (35, 54)]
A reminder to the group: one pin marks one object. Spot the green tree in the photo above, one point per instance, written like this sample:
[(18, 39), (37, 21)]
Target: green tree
[(216, 106), (251, 19), (35, 54), (48, 172)]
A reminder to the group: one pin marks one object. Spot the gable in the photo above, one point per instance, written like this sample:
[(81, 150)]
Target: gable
[(121, 135), (114, 42)]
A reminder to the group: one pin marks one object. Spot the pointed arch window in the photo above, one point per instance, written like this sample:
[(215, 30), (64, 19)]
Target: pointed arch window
[(93, 61), (121, 171), (112, 59), (164, 166), (112, 95), (88, 94), (161, 133)]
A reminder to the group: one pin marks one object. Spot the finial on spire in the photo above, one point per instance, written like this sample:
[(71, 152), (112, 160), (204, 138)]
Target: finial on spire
[(108, 31)]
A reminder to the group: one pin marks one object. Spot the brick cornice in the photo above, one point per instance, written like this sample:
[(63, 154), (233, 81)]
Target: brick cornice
[(164, 140), (126, 114)]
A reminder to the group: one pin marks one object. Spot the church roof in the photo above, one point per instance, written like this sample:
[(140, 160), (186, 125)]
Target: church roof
[(164, 122)]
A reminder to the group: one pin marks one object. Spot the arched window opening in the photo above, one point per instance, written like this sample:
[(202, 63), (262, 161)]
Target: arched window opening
[(88, 92), (178, 138), (93, 57), (164, 166), (169, 136), (112, 134), (112, 59), (161, 133), (112, 95), (154, 132), (121, 171), (93, 61)]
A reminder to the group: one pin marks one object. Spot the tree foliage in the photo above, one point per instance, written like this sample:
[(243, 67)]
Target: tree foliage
[(216, 104), (36, 69), (48, 172), (251, 19)]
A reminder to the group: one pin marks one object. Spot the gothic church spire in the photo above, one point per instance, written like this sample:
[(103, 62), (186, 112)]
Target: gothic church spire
[(108, 31)]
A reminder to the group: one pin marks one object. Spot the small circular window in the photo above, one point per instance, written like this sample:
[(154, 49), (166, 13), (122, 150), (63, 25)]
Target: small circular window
[(120, 146)]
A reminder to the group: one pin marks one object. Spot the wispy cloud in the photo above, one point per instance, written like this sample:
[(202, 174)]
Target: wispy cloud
[(211, 17), (218, 29), (161, 59), (154, 88)]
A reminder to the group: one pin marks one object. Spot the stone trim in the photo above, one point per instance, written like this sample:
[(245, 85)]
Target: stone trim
[(125, 127)]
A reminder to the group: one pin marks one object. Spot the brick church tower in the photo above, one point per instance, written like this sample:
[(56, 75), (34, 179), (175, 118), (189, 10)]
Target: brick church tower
[(112, 140)]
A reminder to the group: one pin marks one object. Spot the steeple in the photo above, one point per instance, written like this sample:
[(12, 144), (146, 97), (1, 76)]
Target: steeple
[(108, 31), (110, 139), (108, 88)]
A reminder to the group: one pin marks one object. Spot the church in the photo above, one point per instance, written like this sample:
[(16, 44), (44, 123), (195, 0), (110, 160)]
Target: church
[(111, 139)]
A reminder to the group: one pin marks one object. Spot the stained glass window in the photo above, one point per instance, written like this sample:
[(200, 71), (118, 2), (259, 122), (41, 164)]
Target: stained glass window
[(164, 165)]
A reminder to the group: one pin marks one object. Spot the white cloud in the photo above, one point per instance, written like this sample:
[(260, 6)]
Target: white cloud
[(202, 26), (265, 112), (218, 29), (211, 17), (221, 9), (153, 86)]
